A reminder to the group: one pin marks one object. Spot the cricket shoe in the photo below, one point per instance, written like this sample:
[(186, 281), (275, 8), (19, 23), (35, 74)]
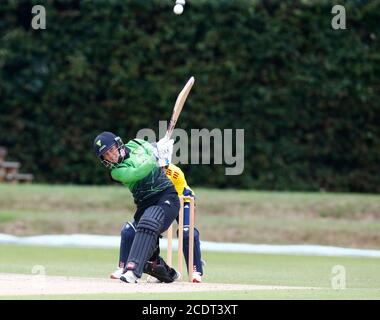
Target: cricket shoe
[(129, 277), (117, 274), (197, 277)]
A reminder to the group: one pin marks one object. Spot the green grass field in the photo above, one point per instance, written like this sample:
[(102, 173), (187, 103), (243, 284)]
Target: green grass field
[(362, 274), (348, 220)]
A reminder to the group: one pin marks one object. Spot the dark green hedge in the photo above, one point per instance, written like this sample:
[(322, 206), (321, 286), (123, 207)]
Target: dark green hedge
[(307, 96)]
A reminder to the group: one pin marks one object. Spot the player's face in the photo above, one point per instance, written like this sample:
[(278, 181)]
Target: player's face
[(112, 155)]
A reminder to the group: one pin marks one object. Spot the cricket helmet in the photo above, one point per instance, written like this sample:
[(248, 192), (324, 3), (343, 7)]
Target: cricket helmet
[(104, 142)]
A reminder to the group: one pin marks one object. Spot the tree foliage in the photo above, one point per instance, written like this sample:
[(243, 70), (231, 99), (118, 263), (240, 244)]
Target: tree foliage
[(306, 95)]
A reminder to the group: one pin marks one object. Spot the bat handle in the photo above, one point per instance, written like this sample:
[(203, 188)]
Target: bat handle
[(167, 135)]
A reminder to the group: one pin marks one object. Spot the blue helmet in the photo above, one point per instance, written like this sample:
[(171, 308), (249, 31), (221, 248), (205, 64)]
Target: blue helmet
[(104, 142)]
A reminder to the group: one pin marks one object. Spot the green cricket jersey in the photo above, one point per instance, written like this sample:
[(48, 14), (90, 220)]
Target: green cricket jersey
[(139, 171)]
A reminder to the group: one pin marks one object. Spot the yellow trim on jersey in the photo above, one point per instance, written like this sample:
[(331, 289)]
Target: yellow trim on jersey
[(177, 177)]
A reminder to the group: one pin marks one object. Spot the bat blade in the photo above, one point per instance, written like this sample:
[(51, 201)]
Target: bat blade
[(180, 102)]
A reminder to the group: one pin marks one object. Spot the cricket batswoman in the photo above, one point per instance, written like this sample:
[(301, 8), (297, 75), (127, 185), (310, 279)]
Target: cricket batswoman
[(128, 232), (137, 165)]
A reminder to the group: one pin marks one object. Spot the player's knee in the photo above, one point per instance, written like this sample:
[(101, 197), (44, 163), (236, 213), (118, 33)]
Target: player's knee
[(152, 220)]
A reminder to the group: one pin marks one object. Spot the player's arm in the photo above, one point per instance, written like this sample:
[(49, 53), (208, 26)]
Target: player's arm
[(186, 190), (134, 171), (177, 176)]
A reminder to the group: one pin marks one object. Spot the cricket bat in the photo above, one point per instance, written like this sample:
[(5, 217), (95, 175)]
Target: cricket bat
[(178, 106)]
